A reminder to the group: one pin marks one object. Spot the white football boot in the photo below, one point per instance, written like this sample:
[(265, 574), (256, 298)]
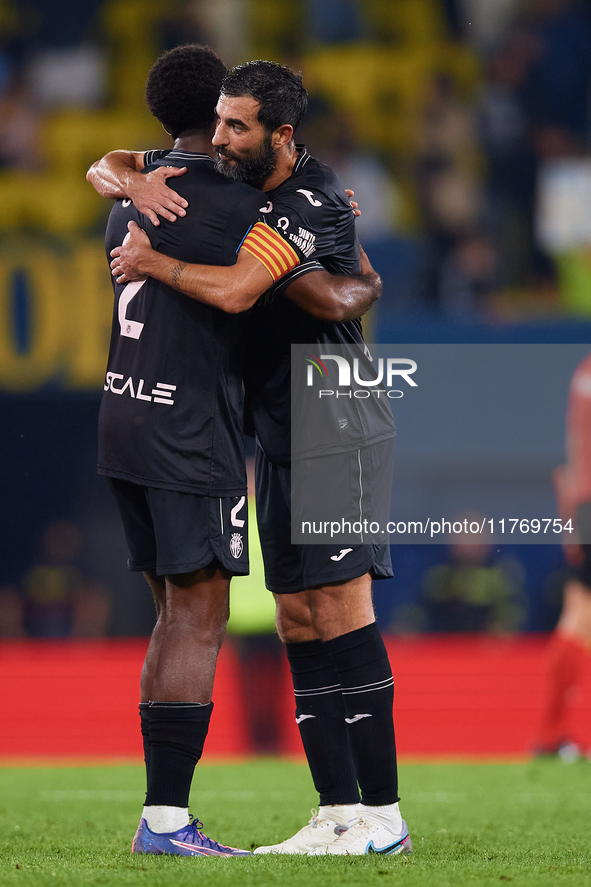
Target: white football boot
[(364, 837), (313, 838)]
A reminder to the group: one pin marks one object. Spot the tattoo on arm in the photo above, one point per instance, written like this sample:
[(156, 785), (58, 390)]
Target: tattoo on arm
[(177, 273)]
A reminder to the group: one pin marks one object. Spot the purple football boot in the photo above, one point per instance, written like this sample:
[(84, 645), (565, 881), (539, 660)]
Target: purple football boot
[(187, 841)]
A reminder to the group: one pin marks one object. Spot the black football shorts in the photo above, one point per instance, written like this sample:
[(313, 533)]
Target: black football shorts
[(352, 486), (169, 532), (292, 568)]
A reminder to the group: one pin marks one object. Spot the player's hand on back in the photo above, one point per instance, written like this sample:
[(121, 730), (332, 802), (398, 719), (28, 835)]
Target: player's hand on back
[(152, 197), (353, 203), (128, 259)]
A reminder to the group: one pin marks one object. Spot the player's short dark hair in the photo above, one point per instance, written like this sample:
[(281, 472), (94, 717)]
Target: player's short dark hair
[(279, 91), (183, 88)]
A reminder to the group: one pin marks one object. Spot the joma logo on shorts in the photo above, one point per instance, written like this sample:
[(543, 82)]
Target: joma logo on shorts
[(161, 393)]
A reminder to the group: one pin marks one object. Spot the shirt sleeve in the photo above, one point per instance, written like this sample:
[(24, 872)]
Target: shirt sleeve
[(306, 218), (281, 285)]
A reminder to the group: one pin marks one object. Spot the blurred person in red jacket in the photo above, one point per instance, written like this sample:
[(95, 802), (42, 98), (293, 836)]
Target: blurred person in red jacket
[(571, 639)]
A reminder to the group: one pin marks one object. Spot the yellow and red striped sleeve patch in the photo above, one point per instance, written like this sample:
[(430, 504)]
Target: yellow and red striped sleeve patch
[(269, 247)]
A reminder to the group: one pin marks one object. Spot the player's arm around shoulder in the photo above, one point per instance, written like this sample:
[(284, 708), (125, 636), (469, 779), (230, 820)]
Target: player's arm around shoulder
[(337, 297), (120, 175), (233, 288), (110, 176)]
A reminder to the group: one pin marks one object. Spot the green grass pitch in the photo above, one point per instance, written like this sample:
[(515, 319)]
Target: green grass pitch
[(470, 824)]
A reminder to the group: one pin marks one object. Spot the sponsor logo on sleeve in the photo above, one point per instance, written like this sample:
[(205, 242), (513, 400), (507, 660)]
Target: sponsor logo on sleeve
[(304, 240)]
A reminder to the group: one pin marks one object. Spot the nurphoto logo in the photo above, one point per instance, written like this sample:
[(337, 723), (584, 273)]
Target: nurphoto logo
[(388, 370)]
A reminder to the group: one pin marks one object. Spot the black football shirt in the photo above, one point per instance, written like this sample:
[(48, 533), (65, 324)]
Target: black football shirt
[(313, 213), (171, 412)]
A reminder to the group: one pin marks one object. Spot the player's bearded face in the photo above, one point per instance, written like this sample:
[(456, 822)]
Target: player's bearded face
[(252, 165)]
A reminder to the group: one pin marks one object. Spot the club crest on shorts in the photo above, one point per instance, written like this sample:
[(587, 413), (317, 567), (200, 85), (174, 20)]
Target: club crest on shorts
[(236, 545)]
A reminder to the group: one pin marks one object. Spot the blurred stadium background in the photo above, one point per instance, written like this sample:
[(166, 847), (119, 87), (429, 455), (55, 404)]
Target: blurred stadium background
[(464, 128)]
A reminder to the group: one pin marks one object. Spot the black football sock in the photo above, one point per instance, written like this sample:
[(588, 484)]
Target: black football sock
[(144, 726), (176, 733), (320, 715), (361, 663)]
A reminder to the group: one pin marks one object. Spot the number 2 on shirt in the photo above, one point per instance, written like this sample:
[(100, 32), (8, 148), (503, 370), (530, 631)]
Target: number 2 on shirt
[(131, 328)]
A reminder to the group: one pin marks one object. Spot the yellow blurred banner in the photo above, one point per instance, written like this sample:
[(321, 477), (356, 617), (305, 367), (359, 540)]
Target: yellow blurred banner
[(55, 313)]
